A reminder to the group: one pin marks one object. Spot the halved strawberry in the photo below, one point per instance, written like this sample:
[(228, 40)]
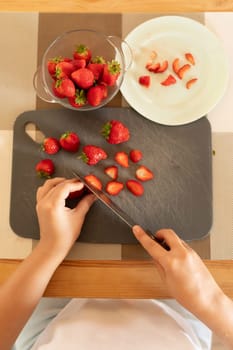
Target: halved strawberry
[(45, 168), (162, 67), (191, 82), (93, 154), (112, 171), (170, 80), (50, 145), (122, 159), (189, 57), (144, 174), (82, 52), (144, 80), (135, 187), (182, 70), (94, 181), (135, 155), (114, 187)]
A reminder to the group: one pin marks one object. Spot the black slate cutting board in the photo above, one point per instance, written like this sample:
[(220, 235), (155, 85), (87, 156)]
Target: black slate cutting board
[(179, 197)]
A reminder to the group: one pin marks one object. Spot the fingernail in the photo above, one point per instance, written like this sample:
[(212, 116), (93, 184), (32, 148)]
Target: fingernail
[(136, 229)]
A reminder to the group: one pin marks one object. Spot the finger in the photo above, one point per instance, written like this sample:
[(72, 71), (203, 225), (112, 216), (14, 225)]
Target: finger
[(47, 186), (169, 236), (152, 247), (58, 194), (85, 204)]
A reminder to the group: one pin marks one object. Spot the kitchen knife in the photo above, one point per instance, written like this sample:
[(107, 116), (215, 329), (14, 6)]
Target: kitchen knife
[(115, 208)]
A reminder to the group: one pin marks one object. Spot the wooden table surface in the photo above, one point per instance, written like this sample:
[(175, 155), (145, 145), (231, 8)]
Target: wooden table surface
[(116, 279), (117, 5)]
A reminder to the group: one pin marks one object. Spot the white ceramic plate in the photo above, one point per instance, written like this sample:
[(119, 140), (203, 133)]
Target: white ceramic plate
[(172, 37)]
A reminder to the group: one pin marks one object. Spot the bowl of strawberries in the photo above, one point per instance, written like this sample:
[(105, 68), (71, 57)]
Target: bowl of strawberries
[(82, 69)]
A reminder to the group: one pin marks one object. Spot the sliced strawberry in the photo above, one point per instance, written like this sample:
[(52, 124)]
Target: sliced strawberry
[(79, 99), (176, 65), (94, 95), (144, 80), (112, 171), (94, 181), (152, 67), (170, 80), (162, 67), (82, 52), (183, 70), (76, 194), (135, 187), (114, 187), (122, 159), (65, 87), (93, 154), (45, 168), (50, 145), (191, 82), (144, 174), (189, 57), (135, 155), (83, 77)]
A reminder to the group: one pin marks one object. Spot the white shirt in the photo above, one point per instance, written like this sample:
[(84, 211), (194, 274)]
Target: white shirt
[(109, 324)]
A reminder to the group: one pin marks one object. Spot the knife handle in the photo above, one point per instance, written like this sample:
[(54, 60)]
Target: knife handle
[(162, 243)]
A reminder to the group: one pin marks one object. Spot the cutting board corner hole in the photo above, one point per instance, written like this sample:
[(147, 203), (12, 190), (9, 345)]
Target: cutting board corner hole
[(35, 134)]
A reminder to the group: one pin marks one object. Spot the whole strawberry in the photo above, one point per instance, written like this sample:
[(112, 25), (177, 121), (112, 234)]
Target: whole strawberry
[(65, 87), (95, 95), (69, 141), (83, 77), (115, 132), (79, 99), (45, 168), (93, 154), (52, 63), (111, 72), (96, 66), (82, 52), (64, 69), (50, 145)]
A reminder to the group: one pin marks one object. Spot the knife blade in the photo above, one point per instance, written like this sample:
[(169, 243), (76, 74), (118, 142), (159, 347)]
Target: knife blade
[(116, 209)]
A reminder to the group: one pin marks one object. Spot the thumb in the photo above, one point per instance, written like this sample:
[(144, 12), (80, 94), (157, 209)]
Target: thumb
[(85, 204)]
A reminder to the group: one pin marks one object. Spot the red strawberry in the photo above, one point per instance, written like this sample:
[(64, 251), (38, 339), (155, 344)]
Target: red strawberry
[(64, 70), (82, 51), (112, 171), (50, 145), (79, 99), (135, 187), (182, 70), (76, 194), (52, 63), (144, 174), (45, 168), (114, 187), (69, 141), (162, 67), (191, 82), (56, 92), (122, 159), (169, 80), (83, 77), (144, 80), (115, 132), (96, 66), (93, 181), (152, 67), (94, 95), (111, 72), (93, 154), (80, 63), (135, 155), (65, 87), (176, 65), (190, 58)]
